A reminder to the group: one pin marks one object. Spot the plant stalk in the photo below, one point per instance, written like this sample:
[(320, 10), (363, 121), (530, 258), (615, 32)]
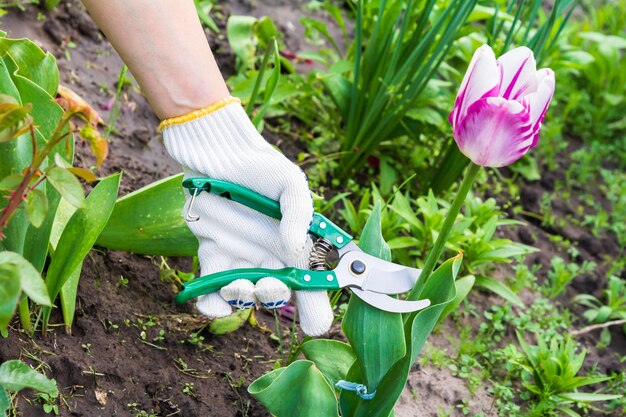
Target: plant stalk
[(24, 312), (435, 253)]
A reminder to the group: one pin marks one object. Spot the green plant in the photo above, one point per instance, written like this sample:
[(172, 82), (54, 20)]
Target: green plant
[(246, 36), (614, 308), (397, 49), (45, 214), (410, 226), (551, 374), (15, 375), (382, 366), (522, 23), (610, 312), (562, 273), (595, 82), (204, 9)]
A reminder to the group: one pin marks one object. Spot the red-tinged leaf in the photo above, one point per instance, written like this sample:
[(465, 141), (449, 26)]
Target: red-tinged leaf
[(99, 145), (14, 118), (70, 101), (83, 173)]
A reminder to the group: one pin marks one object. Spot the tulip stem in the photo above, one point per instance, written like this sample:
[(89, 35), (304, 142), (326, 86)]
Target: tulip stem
[(435, 253)]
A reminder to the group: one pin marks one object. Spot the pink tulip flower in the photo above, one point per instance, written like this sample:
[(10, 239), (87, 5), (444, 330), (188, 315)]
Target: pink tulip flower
[(500, 106)]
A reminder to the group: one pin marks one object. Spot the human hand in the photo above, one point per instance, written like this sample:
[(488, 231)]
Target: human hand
[(225, 145)]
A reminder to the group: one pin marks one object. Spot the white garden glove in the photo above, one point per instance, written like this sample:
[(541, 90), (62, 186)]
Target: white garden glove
[(221, 142)]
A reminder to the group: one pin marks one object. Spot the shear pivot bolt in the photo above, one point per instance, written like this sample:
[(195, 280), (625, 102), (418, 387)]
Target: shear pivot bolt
[(357, 267), (329, 277), (339, 239), (307, 277)]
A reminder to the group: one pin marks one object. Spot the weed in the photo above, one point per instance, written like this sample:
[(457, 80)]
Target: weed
[(562, 273), (122, 282), (189, 389), (550, 373), (235, 386)]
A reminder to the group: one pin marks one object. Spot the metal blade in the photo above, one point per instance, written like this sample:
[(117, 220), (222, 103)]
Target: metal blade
[(378, 275), (387, 303)]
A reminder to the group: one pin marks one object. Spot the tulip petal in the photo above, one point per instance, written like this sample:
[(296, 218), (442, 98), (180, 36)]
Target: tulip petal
[(540, 100), (537, 103), (495, 133), (517, 73), (480, 81)]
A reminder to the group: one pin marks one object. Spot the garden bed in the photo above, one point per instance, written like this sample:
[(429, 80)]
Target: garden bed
[(131, 350)]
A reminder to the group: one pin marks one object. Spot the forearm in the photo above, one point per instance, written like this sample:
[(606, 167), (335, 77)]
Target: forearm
[(164, 46)]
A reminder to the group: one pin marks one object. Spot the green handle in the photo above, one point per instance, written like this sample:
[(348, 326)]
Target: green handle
[(294, 278), (320, 225)]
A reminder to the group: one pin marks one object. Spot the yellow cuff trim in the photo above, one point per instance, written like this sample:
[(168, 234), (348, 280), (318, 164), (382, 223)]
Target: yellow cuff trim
[(173, 121)]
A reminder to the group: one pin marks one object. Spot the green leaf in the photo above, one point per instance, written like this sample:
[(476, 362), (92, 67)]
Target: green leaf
[(37, 240), (15, 375), (149, 221), (34, 64), (299, 389), (240, 33), (17, 273), (14, 118), (5, 401), (51, 4), (449, 169), (231, 323), (36, 207), (14, 157), (375, 353), (68, 297), (338, 87), (270, 84), (67, 184), (463, 287), (500, 289), (440, 290), (80, 234), (9, 293), (585, 397), (332, 357), (11, 181)]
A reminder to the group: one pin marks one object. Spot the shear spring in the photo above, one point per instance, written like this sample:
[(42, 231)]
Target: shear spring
[(317, 258)]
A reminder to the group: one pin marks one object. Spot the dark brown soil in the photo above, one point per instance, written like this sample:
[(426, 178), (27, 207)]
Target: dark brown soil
[(109, 367)]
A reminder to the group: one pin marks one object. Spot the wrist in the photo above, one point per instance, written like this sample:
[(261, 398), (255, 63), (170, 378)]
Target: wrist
[(213, 139)]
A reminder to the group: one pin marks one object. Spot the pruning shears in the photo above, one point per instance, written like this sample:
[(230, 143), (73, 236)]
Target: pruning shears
[(370, 278)]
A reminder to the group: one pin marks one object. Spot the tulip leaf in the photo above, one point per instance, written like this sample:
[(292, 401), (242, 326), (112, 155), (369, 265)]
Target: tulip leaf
[(9, 293), (14, 157), (68, 296), (80, 234), (376, 351), (463, 287), (149, 221), (440, 290), (332, 357), (299, 389), (15, 375)]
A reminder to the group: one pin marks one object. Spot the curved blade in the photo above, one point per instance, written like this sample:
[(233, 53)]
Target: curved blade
[(379, 276), (387, 303)]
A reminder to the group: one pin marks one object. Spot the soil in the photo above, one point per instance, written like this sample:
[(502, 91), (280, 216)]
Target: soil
[(131, 349)]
